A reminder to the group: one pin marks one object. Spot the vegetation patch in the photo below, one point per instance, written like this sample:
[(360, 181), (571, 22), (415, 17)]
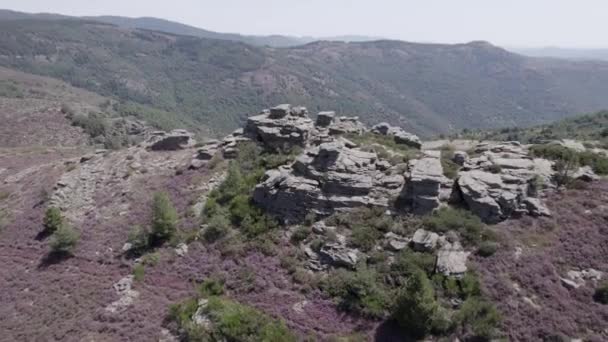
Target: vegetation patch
[(222, 319), (469, 226), (64, 239), (388, 142), (232, 201)]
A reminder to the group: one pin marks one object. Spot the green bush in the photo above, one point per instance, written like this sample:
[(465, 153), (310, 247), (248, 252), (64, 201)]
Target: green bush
[(479, 318), (139, 238), (234, 194), (359, 292), (450, 169), (468, 225), (64, 239), (601, 294), (164, 218), (416, 310), (487, 249), (52, 219), (139, 271), (463, 288), (236, 322), (93, 124), (217, 227), (300, 234), (408, 262), (230, 321), (211, 287), (364, 236)]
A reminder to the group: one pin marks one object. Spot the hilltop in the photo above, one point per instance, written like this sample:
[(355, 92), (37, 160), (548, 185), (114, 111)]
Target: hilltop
[(291, 228)]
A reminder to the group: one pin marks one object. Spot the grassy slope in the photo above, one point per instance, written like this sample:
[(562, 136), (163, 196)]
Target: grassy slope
[(589, 127), (426, 88)]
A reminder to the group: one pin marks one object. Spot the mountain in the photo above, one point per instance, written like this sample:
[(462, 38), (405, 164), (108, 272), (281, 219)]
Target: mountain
[(556, 52), (427, 88), (163, 25)]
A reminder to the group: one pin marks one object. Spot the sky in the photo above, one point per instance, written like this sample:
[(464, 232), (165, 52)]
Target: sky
[(509, 23)]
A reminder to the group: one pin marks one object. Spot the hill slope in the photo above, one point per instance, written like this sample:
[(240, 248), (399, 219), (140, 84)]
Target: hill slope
[(589, 127), (426, 88)]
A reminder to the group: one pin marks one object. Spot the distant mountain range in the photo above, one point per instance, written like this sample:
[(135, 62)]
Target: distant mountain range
[(216, 83), (156, 24), (556, 52)]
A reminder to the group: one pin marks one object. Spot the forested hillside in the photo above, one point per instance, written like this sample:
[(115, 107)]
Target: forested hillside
[(426, 88)]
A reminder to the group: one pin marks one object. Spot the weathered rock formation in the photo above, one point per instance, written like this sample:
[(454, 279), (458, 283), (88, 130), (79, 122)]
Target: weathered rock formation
[(500, 181), (424, 181), (330, 177), (281, 127), (177, 139), (400, 136)]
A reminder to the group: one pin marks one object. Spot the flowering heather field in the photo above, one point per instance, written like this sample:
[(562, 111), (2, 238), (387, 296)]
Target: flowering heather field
[(527, 288), (66, 300)]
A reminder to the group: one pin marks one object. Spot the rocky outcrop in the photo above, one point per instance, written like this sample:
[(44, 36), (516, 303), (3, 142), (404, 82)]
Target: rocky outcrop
[(502, 181), (346, 125), (452, 260), (124, 289), (177, 139), (324, 179), (424, 241), (281, 127), (338, 255), (325, 119), (424, 182), (585, 174), (400, 135)]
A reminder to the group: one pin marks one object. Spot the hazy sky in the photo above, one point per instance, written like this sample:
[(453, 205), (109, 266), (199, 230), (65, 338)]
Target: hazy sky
[(515, 23)]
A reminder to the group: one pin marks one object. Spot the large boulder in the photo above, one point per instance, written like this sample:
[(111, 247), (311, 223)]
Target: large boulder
[(400, 135), (408, 139), (346, 125), (502, 181), (423, 184), (338, 255), (177, 139), (324, 119), (452, 260), (424, 241), (281, 127), (324, 179)]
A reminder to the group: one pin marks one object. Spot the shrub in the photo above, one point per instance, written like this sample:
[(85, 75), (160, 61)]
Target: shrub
[(359, 292), (93, 124), (601, 294), (487, 249), (236, 322), (466, 223), (478, 317), (364, 236), (139, 238), (217, 227), (164, 218), (52, 219), (300, 234), (64, 239), (139, 272), (450, 169), (416, 310), (211, 287), (409, 262), (466, 287)]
